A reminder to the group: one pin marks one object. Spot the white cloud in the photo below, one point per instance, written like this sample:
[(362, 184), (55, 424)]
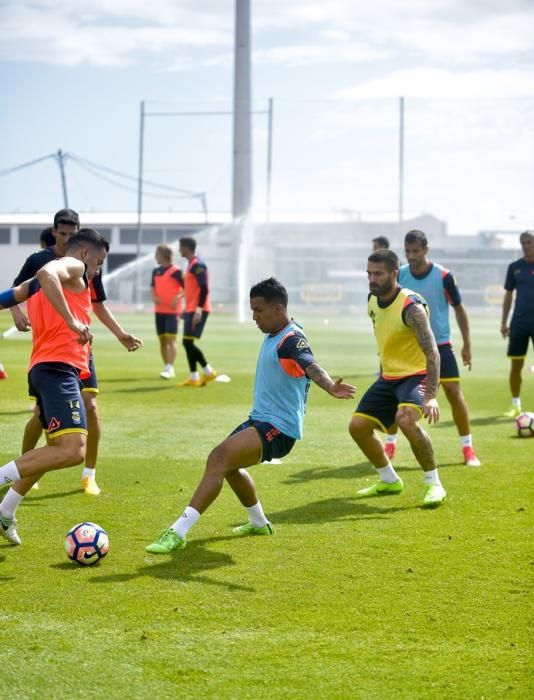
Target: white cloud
[(324, 54), (111, 33), (436, 82)]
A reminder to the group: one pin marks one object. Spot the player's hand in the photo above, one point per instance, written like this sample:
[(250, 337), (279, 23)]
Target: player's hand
[(341, 390), (431, 410), (130, 342), (82, 331), (505, 331), (466, 356), (197, 316), (20, 319)]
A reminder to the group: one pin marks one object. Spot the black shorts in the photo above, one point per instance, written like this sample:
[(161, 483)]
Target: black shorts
[(381, 401), (90, 383), (57, 389), (521, 331), (275, 443), (166, 324), (449, 370), (191, 333)]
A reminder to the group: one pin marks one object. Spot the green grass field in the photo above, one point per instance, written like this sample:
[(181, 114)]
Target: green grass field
[(351, 599)]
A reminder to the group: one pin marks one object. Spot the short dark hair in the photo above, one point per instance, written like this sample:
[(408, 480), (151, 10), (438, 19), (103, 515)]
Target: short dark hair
[(528, 232), (46, 237), (189, 242), (388, 257), (415, 236), (66, 216), (271, 290), (382, 241), (87, 236)]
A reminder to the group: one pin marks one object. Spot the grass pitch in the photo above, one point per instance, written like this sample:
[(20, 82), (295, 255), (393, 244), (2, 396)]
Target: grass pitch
[(352, 598)]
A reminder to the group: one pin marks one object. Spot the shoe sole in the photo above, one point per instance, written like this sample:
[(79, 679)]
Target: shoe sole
[(434, 504), (363, 493)]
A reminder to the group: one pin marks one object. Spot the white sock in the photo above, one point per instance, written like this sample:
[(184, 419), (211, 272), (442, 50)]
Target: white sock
[(256, 515), (168, 367), (208, 369), (88, 472), (432, 477), (466, 441), (195, 376), (516, 401), (10, 503), (9, 473), (388, 474), (186, 521), (391, 438)]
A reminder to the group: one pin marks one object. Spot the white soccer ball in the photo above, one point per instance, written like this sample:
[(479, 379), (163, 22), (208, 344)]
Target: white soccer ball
[(524, 424), (86, 543)]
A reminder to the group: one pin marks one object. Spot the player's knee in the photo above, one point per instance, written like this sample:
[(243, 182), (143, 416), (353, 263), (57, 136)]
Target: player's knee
[(71, 454), (406, 419), (219, 459), (359, 427)]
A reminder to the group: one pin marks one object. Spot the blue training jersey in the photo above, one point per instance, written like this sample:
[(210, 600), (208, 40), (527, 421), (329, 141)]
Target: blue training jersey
[(438, 287), (281, 385), (520, 276)]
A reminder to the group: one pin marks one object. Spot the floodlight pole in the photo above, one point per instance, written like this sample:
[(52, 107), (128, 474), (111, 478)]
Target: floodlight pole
[(269, 160), (140, 200), (242, 146), (401, 159), (61, 163)]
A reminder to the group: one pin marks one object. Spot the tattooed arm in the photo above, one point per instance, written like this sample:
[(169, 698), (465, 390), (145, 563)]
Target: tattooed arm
[(337, 388), (417, 319)]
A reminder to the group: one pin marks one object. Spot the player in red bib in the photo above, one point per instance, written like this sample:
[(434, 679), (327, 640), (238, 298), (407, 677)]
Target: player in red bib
[(59, 313), (197, 309)]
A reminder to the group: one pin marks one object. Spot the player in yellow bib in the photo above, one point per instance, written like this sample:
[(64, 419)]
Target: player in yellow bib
[(408, 384)]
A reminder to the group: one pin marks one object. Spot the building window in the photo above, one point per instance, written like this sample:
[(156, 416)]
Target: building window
[(128, 236), (5, 236), (30, 236)]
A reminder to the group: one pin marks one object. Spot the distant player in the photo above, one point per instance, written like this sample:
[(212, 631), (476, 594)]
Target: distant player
[(66, 223), (59, 305), (285, 367), (167, 287), (439, 289), (408, 385), (197, 309), (519, 277), (380, 242), (46, 239)]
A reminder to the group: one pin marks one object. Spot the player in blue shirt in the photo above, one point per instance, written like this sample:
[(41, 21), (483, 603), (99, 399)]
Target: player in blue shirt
[(285, 367), (439, 289), (519, 277)]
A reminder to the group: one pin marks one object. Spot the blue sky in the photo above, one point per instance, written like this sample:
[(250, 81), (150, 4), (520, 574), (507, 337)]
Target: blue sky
[(72, 75)]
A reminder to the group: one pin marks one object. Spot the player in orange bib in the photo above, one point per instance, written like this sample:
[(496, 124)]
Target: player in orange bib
[(59, 305), (197, 309), (167, 287)]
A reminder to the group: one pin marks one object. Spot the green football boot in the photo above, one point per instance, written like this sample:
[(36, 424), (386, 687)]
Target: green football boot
[(513, 412), (250, 529), (433, 496), (381, 488), (166, 543)]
